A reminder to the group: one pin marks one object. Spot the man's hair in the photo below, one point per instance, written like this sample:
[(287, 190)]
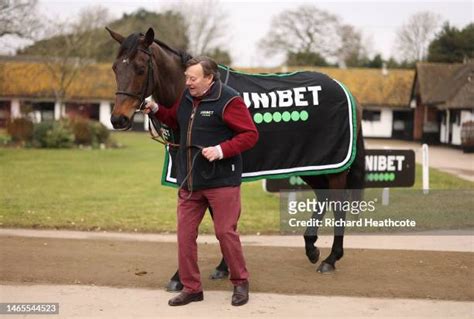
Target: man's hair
[(209, 66)]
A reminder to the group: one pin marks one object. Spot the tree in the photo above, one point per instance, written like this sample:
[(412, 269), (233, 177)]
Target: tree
[(375, 63), (206, 23), (305, 59), (452, 45), (392, 63), (169, 27), (69, 46), (352, 52), (415, 35), (18, 23), (307, 30), (304, 29), (220, 56), (18, 17)]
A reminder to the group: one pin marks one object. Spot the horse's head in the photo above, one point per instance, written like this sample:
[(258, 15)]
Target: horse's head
[(134, 74)]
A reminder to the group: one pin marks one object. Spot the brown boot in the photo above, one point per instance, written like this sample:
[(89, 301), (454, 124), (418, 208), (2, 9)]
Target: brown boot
[(185, 297), (241, 294)]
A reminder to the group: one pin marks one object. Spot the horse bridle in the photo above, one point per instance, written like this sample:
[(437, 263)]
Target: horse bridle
[(154, 129), (149, 79), (141, 97)]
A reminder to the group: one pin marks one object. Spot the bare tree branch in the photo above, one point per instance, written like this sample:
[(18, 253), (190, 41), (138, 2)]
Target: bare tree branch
[(18, 18), (206, 24), (414, 36), (304, 29), (71, 46)]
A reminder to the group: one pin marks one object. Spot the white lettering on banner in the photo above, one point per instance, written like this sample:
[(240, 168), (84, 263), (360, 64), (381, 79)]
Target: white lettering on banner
[(380, 163), (283, 98)]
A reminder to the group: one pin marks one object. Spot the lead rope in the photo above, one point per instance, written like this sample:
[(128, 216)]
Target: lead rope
[(190, 191), (157, 135)]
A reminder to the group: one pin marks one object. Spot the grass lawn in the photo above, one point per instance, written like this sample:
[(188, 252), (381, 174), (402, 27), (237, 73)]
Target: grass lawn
[(120, 189)]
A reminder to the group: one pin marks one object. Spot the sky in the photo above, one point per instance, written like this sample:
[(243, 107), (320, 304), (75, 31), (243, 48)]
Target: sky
[(249, 21)]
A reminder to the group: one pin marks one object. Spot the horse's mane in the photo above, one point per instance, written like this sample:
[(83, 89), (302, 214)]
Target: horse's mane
[(130, 45)]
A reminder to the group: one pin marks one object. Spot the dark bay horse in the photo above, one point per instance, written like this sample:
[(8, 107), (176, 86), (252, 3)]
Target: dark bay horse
[(145, 66)]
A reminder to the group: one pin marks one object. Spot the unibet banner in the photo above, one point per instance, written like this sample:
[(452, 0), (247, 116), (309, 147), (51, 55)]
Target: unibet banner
[(306, 124), (383, 168)]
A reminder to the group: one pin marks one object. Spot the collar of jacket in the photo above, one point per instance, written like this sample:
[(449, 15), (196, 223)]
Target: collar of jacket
[(213, 94)]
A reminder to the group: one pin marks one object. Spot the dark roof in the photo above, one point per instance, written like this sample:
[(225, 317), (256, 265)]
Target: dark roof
[(446, 85)]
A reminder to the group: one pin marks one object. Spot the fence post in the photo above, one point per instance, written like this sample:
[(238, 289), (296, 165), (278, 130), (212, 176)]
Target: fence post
[(385, 196), (426, 169)]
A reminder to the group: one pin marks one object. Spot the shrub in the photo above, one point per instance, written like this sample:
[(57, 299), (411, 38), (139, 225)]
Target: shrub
[(88, 132), (56, 134), (61, 134), (20, 130), (101, 132), (83, 131)]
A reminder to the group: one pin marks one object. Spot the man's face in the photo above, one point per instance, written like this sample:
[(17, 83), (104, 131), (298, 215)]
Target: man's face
[(196, 82)]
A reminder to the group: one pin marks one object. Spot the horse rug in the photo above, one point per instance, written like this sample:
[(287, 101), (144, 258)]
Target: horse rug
[(306, 123)]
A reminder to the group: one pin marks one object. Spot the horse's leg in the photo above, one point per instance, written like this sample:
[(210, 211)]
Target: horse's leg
[(337, 183), (310, 238), (318, 184), (175, 283), (221, 271)]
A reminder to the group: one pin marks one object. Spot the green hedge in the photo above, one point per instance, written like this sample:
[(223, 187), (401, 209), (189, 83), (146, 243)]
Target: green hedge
[(65, 133)]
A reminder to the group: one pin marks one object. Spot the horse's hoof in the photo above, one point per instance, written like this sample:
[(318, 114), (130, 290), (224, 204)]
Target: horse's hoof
[(326, 268), (174, 286), (313, 254), (219, 274)]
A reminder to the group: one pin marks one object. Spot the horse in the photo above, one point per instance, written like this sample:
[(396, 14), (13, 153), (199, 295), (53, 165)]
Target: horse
[(146, 66)]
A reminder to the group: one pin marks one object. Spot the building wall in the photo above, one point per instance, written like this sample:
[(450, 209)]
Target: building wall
[(418, 118), (379, 127), (444, 133), (426, 124), (105, 110), (451, 125), (456, 134)]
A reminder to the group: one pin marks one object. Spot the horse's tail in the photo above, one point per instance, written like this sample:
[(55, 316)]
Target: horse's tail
[(356, 175)]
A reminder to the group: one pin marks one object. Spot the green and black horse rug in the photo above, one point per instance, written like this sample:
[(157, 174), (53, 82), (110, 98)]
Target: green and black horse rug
[(306, 123)]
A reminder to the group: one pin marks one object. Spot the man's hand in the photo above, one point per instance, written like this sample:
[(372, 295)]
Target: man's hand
[(212, 153), (150, 107)]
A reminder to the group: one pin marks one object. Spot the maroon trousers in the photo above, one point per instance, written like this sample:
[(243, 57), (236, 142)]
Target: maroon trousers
[(225, 205)]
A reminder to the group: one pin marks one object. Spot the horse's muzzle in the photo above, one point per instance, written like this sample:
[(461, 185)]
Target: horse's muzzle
[(120, 122)]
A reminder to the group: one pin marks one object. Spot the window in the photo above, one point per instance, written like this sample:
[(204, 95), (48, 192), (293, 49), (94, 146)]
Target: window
[(371, 116), (4, 113)]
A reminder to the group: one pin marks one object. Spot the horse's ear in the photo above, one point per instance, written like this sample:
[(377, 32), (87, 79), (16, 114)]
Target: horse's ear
[(149, 37), (117, 37)]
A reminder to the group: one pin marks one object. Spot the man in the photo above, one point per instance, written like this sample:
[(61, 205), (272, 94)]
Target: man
[(215, 127)]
